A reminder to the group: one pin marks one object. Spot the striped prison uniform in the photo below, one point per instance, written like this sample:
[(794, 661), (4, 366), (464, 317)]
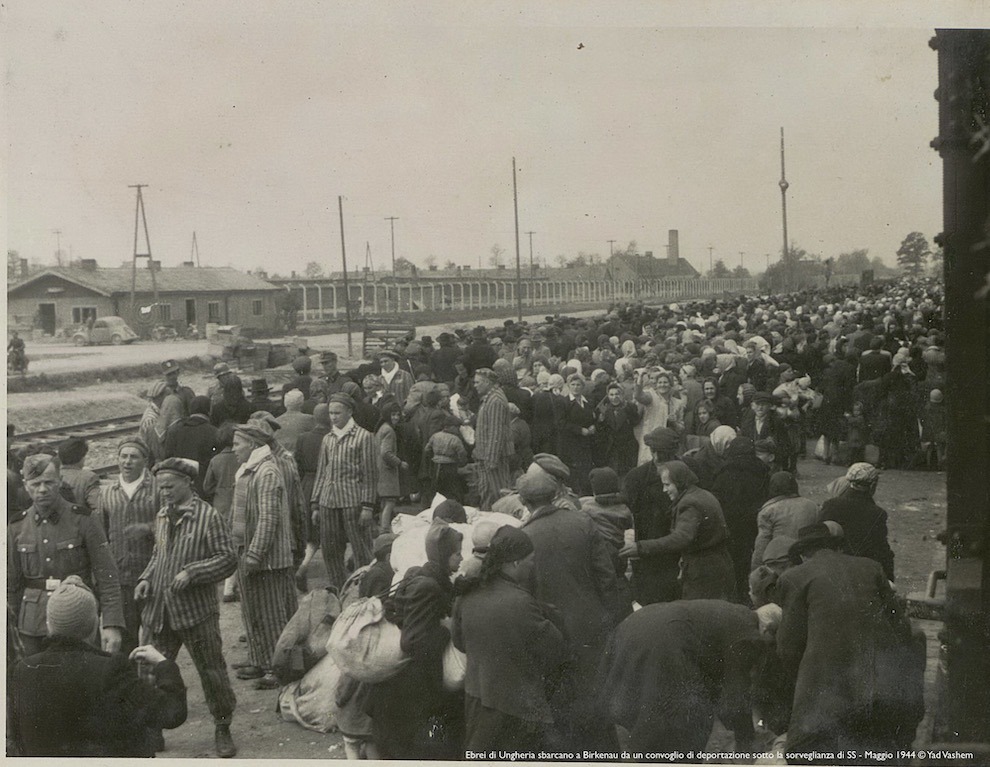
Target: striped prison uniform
[(493, 447), (130, 528), (268, 592), (199, 543), (298, 503), (346, 482)]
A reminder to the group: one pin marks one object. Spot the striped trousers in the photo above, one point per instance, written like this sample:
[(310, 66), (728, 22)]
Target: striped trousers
[(492, 479), (338, 527), (203, 643), (268, 600)]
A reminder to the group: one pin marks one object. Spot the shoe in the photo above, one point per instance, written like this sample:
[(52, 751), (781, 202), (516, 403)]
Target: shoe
[(224, 743), (250, 672), (231, 598), (268, 682)]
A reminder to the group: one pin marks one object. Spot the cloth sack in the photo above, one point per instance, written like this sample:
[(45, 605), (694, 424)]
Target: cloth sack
[(303, 641), (454, 668), (364, 644), (820, 448), (310, 700)]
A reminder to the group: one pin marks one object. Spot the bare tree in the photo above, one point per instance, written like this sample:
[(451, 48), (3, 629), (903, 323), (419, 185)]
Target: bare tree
[(496, 255)]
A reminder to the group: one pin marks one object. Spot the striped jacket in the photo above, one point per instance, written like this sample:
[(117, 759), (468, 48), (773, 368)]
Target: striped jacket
[(493, 430), (298, 504), (347, 472), (267, 524), (130, 526), (200, 544)]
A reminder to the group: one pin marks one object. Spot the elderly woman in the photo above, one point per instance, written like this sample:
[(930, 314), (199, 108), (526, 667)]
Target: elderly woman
[(783, 515), (863, 522), (577, 434), (708, 460), (671, 668), (698, 534)]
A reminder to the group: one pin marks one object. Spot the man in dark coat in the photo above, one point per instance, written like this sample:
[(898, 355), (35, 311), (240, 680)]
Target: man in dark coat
[(857, 665), (655, 576), (741, 487), (442, 360), (74, 700), (863, 522), (480, 354), (574, 572), (193, 437)]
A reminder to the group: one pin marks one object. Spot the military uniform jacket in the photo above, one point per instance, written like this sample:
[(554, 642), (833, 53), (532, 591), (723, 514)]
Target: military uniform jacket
[(43, 548)]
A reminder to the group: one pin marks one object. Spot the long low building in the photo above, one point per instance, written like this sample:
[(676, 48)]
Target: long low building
[(60, 298)]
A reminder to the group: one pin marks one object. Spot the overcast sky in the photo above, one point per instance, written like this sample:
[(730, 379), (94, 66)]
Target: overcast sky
[(247, 119)]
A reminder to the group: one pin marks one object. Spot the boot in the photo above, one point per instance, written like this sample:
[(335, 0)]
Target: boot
[(224, 743)]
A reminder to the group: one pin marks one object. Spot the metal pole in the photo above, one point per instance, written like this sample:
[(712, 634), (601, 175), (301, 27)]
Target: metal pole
[(783, 196), (391, 220), (347, 296), (710, 266), (515, 206), (532, 296)]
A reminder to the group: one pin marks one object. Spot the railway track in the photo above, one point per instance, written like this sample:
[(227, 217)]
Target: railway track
[(89, 430)]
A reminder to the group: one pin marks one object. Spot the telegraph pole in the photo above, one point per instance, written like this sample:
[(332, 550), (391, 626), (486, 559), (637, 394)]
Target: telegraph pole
[(611, 248), (391, 220), (532, 295), (741, 254), (139, 216), (195, 249), (711, 267), (58, 246), (347, 292), (783, 191), (515, 206)]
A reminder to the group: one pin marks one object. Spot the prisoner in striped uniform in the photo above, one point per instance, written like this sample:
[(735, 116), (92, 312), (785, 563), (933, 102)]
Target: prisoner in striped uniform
[(192, 554), (127, 509), (492, 438), (344, 491), (263, 530)]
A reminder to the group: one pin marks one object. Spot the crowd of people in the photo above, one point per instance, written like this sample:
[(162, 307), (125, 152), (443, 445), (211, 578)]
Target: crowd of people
[(665, 560)]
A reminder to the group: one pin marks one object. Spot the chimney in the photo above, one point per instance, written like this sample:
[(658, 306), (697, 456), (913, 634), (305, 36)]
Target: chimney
[(673, 247), (189, 263), (25, 269), (87, 264)]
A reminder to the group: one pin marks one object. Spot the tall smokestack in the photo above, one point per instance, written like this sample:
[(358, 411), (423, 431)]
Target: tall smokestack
[(673, 252)]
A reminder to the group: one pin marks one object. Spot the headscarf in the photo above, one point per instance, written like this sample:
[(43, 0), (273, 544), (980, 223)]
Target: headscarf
[(509, 544), (442, 542), (721, 438), (556, 382), (680, 475), (862, 476), (782, 483)]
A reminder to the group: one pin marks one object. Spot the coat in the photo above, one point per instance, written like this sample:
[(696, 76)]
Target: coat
[(193, 437), (670, 668), (388, 462), (576, 450), (73, 700), (544, 423), (511, 646), (698, 534), (857, 668), (654, 577), (617, 445), (780, 516), (864, 525)]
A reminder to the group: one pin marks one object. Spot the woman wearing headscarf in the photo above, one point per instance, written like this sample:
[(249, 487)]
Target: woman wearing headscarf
[(512, 647), (390, 465), (671, 668), (863, 522), (899, 409), (709, 459), (783, 515), (412, 716), (577, 434), (741, 488), (730, 376), (698, 534), (233, 406)]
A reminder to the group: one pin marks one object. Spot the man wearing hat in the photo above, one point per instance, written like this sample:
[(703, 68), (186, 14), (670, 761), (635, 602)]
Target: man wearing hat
[(149, 429), (53, 540), (573, 571), (334, 379), (85, 483), (480, 354), (260, 398), (193, 437), (181, 605), (762, 422), (860, 684), (302, 365), (443, 359), (170, 373), (127, 508), (262, 527), (512, 646), (73, 700), (344, 493), (492, 438), (864, 522), (397, 381), (221, 372)]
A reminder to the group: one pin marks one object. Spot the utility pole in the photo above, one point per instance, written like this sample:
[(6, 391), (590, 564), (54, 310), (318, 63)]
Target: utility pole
[(391, 220), (532, 295), (347, 292), (783, 194), (58, 246), (768, 262), (139, 216), (611, 248), (195, 249), (515, 207), (741, 254), (711, 267)]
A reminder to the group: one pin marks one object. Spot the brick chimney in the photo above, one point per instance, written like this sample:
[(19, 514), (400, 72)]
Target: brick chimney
[(87, 264), (673, 249)]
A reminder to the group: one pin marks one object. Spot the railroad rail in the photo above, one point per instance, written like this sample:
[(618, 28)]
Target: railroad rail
[(89, 430)]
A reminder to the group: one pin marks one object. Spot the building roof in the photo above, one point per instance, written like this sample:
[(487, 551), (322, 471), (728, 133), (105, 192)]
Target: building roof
[(178, 279), (651, 268)]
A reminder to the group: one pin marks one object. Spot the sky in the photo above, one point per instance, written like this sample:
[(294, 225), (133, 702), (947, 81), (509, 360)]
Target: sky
[(248, 119)]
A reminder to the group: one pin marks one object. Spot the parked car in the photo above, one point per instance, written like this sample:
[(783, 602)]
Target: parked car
[(105, 330)]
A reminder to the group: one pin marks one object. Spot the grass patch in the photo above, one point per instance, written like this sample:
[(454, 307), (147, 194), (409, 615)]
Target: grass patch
[(65, 381)]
